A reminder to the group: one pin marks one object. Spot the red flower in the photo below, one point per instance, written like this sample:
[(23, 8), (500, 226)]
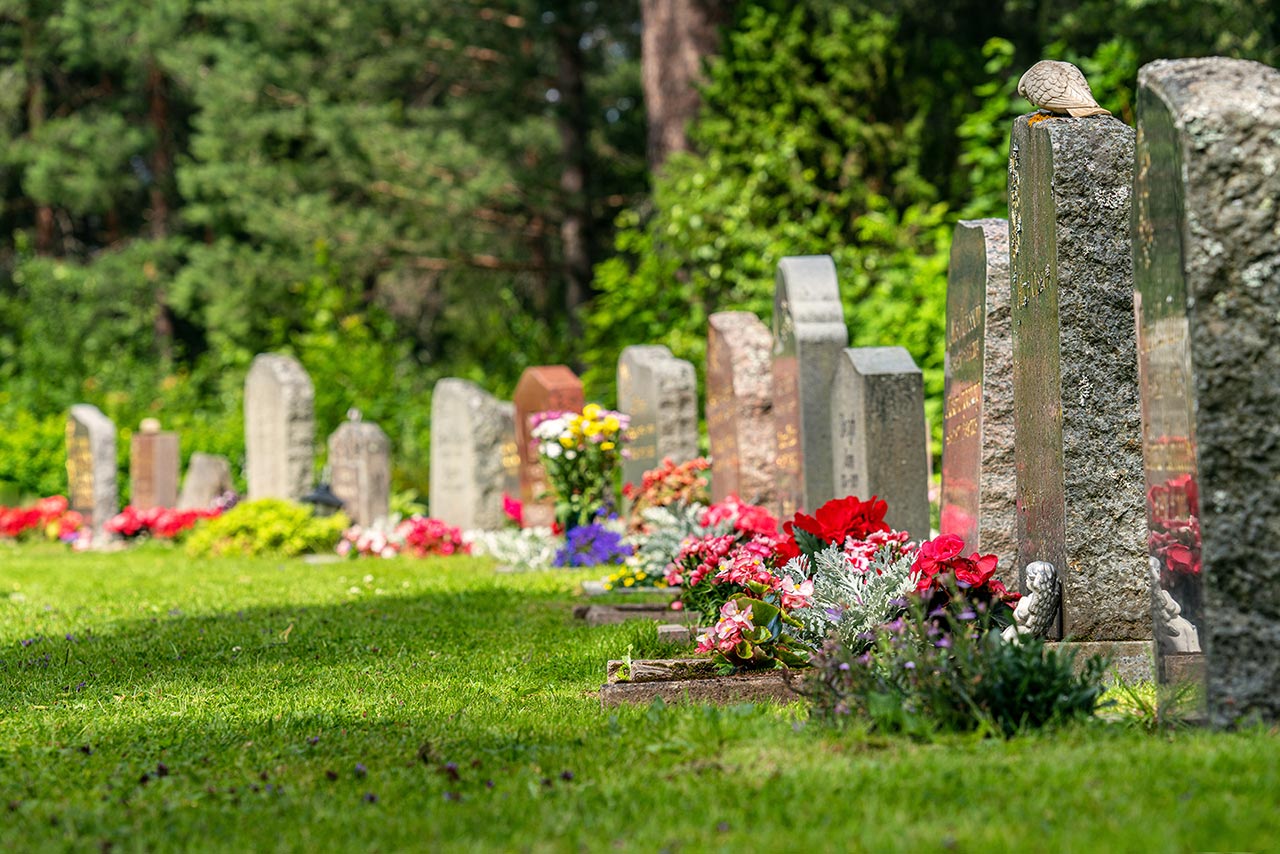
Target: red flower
[(841, 518), (941, 555)]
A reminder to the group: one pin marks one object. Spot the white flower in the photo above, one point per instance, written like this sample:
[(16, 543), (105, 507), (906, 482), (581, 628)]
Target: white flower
[(570, 454), (552, 450)]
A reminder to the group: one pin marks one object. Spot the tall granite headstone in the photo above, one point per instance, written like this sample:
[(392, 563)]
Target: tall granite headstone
[(660, 393), (978, 489), (808, 335), (91, 466), (1207, 271), (472, 441), (1078, 446), (154, 462), (360, 470), (544, 388), (878, 434), (279, 428), (740, 408), (208, 478)]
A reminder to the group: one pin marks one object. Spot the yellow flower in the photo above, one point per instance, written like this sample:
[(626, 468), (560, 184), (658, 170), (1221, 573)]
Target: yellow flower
[(592, 410), (611, 424), (591, 428), (639, 575), (607, 446), (629, 582), (567, 441)]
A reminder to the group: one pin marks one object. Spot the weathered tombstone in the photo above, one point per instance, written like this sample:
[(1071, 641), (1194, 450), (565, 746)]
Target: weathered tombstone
[(660, 393), (544, 388), (472, 440), (1078, 446), (154, 462), (208, 478), (91, 466), (360, 469), (1207, 275), (808, 334), (279, 428), (978, 491), (878, 434), (740, 407)]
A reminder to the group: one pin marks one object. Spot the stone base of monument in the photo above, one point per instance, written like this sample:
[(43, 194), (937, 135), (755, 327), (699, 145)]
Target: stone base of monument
[(1132, 661), (597, 588), (605, 615), (690, 680)]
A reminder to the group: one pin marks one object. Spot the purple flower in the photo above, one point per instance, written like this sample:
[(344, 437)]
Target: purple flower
[(944, 642), (909, 665), (315, 739), (967, 614), (592, 545), (844, 665), (361, 770)]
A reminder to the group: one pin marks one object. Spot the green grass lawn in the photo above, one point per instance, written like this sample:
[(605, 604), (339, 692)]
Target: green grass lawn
[(151, 702)]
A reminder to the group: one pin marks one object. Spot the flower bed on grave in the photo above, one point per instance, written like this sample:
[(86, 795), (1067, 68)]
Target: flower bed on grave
[(49, 518)]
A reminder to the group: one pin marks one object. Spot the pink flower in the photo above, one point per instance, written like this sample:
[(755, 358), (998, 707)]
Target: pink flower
[(795, 595)]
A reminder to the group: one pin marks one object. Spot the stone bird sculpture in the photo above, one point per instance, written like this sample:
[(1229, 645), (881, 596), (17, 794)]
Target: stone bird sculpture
[(1059, 87)]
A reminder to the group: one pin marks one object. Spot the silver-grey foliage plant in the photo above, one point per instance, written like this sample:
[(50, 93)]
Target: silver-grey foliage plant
[(852, 603)]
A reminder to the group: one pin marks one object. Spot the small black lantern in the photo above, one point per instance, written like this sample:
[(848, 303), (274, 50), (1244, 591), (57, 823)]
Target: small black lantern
[(322, 500)]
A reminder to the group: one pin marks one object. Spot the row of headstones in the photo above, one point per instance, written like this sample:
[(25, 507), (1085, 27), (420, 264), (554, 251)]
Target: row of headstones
[(1071, 439), (279, 413), (794, 418)]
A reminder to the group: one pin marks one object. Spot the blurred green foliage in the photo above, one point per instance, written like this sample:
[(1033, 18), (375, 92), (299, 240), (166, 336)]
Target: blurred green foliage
[(267, 526)]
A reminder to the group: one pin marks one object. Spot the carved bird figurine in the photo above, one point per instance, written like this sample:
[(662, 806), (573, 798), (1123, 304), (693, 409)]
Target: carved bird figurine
[(1059, 87)]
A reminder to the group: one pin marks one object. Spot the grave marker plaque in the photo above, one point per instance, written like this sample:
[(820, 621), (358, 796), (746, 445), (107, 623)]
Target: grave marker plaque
[(472, 449), (978, 483), (154, 462), (878, 434), (740, 408), (1207, 302), (541, 389), (660, 393), (1078, 442), (808, 334), (279, 428), (360, 470), (91, 466), (208, 478)]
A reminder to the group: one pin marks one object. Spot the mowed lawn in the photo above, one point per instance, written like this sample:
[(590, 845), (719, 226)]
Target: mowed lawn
[(149, 701)]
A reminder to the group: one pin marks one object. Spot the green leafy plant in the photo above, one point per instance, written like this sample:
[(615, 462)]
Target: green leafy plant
[(268, 526)]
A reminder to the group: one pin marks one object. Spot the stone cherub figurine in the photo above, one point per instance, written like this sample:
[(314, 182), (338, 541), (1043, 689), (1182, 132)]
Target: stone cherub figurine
[(1038, 608), (1059, 87), (1174, 632)]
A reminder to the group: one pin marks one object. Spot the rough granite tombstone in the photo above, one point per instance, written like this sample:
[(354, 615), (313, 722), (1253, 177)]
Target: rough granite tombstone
[(472, 440), (660, 393), (91, 466), (208, 478), (740, 407), (878, 434), (808, 335), (279, 428), (1078, 448), (541, 389), (360, 469), (154, 462), (1206, 252), (978, 491)]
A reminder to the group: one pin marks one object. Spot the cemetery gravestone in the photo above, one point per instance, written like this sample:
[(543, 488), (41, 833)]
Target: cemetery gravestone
[(208, 478), (279, 428), (978, 482), (660, 393), (878, 434), (91, 466), (740, 408), (541, 389), (1078, 450), (1207, 301), (472, 443), (154, 461), (360, 470), (808, 335)]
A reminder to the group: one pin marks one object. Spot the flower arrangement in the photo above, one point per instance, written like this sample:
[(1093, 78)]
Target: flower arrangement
[(738, 545), (50, 516), (419, 536), (581, 453), (592, 545), (161, 523), (666, 485), (754, 629), (945, 580), (664, 529), (1174, 510)]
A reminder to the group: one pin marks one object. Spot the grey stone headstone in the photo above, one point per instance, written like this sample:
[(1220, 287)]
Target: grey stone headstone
[(1207, 269), (154, 464), (740, 408), (472, 447), (1078, 445), (208, 478), (808, 334), (91, 466), (279, 428), (978, 482), (360, 470), (878, 434), (660, 393)]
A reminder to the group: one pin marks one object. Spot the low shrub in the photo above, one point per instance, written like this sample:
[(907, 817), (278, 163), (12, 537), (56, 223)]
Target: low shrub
[(268, 526)]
